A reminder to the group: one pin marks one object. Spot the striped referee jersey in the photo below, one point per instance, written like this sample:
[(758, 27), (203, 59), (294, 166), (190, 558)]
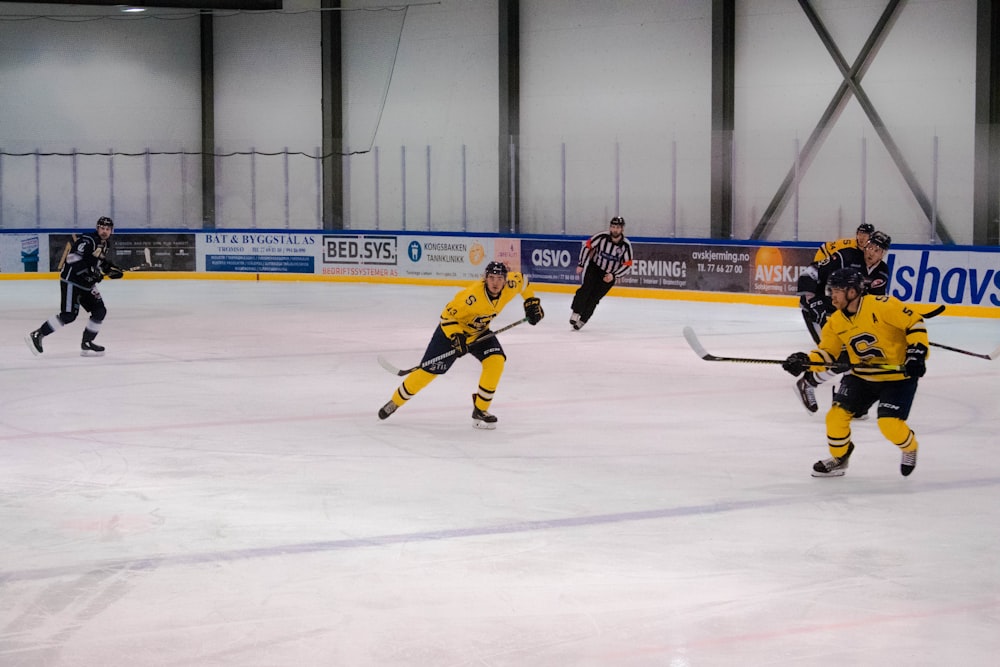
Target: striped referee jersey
[(610, 257)]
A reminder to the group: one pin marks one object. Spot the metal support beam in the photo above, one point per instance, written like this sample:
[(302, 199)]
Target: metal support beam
[(509, 139), (207, 121), (850, 85), (723, 86), (333, 117), (986, 179)]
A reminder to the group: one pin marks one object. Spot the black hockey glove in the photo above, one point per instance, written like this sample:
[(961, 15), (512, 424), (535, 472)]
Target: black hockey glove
[(796, 363), (915, 366), (113, 272), (842, 364), (817, 309), (841, 367), (533, 310), (459, 344)]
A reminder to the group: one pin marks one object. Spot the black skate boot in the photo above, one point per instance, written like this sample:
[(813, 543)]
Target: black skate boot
[(805, 389), (34, 341), (833, 466), (481, 418), (88, 348), (908, 463), (387, 409), (91, 349)]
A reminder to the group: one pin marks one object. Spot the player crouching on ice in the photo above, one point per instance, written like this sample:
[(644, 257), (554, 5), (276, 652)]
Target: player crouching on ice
[(464, 328), (886, 344)]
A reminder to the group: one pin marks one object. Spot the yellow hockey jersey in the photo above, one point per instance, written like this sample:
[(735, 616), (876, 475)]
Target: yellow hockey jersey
[(878, 333), (471, 311), (831, 247)]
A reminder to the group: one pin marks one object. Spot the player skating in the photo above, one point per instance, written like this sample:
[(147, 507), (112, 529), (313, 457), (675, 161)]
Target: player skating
[(604, 258), (875, 331), (816, 304), (860, 240), (464, 328), (87, 262)]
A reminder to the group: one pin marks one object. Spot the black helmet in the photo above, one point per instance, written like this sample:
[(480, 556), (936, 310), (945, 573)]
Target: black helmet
[(105, 221), (617, 220), (844, 279), (495, 268), (881, 239), (866, 228)]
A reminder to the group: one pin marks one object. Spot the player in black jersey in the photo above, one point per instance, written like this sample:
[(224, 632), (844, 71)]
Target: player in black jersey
[(604, 258), (816, 304), (87, 263)]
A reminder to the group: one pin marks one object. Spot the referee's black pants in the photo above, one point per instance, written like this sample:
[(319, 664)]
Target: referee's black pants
[(591, 291)]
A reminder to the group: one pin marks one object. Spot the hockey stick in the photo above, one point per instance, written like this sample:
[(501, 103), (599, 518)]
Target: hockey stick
[(989, 357), (384, 363), (148, 264), (700, 350), (139, 267), (933, 313), (65, 252), (107, 274)]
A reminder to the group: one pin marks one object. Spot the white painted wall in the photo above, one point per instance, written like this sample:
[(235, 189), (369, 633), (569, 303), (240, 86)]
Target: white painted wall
[(96, 86), (443, 94), (268, 98), (921, 83), (623, 86), (625, 78)]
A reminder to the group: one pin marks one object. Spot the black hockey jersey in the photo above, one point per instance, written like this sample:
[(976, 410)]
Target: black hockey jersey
[(87, 261), (813, 279)]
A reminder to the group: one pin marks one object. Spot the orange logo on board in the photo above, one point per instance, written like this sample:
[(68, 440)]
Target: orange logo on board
[(768, 263), (771, 276), (476, 254)]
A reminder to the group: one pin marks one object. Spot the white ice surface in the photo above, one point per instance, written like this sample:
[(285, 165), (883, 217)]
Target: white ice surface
[(217, 490)]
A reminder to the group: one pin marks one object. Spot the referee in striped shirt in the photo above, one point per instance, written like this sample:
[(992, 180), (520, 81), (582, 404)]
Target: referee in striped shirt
[(604, 258)]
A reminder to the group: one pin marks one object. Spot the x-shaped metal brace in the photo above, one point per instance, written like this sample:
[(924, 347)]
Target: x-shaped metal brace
[(850, 85)]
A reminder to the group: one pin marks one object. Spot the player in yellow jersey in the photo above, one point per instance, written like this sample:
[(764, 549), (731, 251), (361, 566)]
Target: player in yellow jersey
[(875, 331), (465, 328), (860, 240)]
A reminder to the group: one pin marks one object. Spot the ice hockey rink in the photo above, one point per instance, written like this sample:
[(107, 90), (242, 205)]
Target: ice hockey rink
[(217, 490)]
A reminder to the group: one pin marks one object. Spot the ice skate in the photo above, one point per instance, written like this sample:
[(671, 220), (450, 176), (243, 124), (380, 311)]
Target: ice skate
[(91, 349), (833, 466), (387, 409), (908, 463), (576, 322), (34, 341), (805, 389), (481, 418)]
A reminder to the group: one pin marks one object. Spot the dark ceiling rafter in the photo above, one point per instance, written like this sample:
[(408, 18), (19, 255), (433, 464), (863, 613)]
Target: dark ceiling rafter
[(509, 109), (986, 189), (850, 85), (248, 5), (723, 116)]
